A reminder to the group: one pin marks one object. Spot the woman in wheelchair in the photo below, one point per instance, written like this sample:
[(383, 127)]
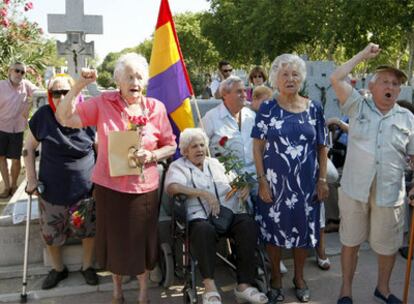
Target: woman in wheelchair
[(203, 180)]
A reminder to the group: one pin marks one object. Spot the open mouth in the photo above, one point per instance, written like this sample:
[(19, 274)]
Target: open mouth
[(388, 95), (134, 90)]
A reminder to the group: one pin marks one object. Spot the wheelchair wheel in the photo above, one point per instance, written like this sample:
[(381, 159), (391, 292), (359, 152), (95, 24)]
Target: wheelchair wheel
[(166, 263), (190, 296), (264, 270)]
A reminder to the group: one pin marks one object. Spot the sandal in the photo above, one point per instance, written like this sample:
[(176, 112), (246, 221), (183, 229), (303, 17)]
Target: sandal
[(324, 264), (208, 297), (302, 294), (275, 295), (251, 295), (117, 300)]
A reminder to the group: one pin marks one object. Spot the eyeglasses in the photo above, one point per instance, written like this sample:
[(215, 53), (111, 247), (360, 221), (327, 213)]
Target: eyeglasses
[(20, 71), (59, 93), (258, 76), (227, 71)]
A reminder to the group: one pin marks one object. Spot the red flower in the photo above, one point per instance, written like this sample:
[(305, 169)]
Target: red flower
[(6, 2), (77, 221), (223, 141), (140, 121), (3, 12), (5, 22), (28, 6)]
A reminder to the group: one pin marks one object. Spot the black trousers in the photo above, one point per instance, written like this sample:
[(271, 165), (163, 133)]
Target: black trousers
[(203, 242)]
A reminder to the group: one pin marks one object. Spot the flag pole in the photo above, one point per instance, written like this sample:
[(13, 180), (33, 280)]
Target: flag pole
[(199, 119)]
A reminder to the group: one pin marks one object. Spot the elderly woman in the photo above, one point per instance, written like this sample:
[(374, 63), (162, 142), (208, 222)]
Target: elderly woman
[(66, 162), (204, 181), (290, 155), (126, 205), (257, 77)]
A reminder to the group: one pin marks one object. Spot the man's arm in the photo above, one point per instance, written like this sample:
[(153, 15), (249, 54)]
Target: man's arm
[(342, 88)]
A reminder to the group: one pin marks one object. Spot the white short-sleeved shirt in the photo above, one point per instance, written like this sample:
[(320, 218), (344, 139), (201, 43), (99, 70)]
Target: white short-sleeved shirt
[(181, 171), (377, 146), (218, 122)]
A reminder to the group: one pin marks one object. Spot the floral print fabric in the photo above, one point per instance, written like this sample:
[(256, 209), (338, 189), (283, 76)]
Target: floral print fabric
[(291, 167)]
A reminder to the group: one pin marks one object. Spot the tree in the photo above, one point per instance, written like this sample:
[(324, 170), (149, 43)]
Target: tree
[(22, 40)]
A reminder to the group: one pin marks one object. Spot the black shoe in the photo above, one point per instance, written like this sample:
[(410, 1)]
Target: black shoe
[(275, 295), (391, 299), (344, 300), (54, 277), (404, 252), (91, 278)]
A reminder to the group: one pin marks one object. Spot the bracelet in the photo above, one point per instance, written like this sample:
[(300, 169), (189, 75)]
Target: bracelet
[(322, 179), (261, 176)]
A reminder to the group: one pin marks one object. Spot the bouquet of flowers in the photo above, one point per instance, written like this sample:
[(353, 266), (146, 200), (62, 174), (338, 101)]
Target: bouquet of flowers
[(136, 123), (233, 163)]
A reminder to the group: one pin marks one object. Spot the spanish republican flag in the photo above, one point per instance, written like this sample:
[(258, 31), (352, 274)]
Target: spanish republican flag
[(169, 81)]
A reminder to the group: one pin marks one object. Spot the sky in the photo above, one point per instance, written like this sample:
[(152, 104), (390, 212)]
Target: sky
[(126, 23)]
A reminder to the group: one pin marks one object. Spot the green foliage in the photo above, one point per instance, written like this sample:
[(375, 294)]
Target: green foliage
[(22, 40)]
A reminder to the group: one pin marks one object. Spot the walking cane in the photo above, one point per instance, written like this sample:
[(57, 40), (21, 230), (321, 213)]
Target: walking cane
[(23, 295), (410, 254)]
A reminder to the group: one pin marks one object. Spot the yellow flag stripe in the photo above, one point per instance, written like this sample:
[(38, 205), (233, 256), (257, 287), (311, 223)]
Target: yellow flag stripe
[(164, 51), (183, 116)]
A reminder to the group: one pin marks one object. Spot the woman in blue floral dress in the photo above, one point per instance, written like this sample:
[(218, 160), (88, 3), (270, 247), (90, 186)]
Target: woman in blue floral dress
[(291, 157)]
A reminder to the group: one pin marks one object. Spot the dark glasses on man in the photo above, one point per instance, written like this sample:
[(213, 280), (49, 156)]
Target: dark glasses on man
[(20, 71), (58, 93), (228, 71)]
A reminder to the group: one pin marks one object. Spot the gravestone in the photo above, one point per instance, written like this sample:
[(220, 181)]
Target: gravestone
[(318, 86), (75, 24)]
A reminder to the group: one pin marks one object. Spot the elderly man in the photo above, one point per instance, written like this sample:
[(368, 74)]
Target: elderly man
[(14, 110), (372, 192), (233, 120), (224, 71)]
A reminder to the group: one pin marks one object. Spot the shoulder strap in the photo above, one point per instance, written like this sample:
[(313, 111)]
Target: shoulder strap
[(199, 200)]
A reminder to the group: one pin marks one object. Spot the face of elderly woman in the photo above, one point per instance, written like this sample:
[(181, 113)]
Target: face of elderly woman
[(288, 79), (59, 89), (131, 83), (196, 151)]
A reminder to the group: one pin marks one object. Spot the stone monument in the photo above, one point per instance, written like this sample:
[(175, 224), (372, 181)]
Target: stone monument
[(75, 24)]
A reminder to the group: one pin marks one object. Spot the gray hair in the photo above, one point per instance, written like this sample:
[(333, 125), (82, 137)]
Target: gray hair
[(283, 60), (227, 84), (188, 135), (131, 59)]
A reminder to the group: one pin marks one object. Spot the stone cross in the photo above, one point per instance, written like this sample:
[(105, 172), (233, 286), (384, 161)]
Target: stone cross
[(75, 24)]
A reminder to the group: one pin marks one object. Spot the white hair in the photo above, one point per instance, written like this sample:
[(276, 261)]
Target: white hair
[(283, 60), (227, 84), (131, 59), (188, 135)]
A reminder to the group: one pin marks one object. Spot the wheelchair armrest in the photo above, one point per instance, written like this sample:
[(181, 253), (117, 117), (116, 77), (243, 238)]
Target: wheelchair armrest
[(179, 207)]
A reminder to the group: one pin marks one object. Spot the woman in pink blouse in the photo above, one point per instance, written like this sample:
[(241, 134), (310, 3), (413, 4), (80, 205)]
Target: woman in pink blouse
[(126, 206)]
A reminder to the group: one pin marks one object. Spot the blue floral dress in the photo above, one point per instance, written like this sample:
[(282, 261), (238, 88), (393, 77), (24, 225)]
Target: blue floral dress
[(291, 167)]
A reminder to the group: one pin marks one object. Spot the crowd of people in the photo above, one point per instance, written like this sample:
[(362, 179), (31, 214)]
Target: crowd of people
[(279, 139)]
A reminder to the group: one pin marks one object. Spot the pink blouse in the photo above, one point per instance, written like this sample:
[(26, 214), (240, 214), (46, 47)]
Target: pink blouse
[(104, 112)]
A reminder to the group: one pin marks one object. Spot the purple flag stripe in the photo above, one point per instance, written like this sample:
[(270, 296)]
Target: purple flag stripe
[(169, 87)]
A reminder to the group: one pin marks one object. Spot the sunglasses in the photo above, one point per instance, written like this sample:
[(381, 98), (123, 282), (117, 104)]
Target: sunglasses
[(258, 76), (58, 93), (227, 71), (20, 71)]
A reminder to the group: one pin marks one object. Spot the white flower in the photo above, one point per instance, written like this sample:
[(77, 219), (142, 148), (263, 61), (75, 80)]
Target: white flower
[(290, 202), (312, 122), (274, 215), (262, 126), (271, 176), (308, 209), (302, 137), (276, 123), (294, 151)]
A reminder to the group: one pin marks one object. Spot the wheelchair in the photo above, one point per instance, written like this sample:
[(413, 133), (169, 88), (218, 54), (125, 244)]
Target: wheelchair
[(177, 261)]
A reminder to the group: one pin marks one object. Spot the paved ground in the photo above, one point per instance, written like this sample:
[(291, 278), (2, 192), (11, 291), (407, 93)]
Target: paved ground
[(324, 285)]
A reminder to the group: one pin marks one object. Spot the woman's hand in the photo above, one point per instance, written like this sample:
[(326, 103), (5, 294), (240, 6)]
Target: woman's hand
[(31, 187), (212, 202), (143, 156), (87, 76), (265, 193), (322, 189)]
